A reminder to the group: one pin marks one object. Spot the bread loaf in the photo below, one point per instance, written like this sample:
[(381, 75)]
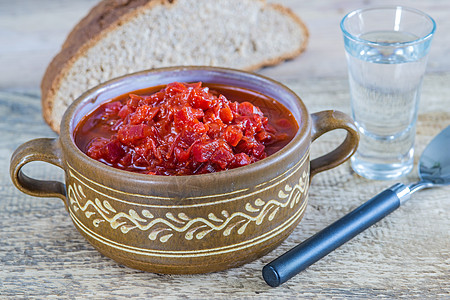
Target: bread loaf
[(119, 37)]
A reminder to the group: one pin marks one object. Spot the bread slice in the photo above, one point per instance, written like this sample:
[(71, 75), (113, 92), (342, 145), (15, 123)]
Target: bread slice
[(122, 36)]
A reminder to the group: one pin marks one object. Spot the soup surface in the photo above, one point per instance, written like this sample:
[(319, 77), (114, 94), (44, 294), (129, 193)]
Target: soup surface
[(185, 129)]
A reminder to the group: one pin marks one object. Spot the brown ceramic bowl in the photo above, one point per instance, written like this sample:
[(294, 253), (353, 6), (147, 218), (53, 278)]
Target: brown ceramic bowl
[(185, 224)]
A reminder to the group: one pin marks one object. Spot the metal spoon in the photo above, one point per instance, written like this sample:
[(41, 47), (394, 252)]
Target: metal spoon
[(434, 170)]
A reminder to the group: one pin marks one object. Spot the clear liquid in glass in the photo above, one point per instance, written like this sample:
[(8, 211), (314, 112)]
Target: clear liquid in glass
[(385, 83)]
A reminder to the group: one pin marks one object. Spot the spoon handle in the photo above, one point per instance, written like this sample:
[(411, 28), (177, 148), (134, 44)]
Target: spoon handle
[(311, 250)]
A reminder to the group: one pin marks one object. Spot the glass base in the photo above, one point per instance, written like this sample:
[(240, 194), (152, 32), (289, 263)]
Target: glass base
[(381, 171)]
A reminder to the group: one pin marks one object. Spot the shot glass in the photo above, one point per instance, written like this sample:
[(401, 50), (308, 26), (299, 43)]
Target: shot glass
[(386, 50)]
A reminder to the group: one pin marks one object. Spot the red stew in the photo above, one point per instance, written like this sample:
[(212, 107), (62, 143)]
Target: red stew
[(183, 129)]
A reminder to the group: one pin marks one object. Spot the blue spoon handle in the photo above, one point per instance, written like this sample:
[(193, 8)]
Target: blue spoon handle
[(311, 250)]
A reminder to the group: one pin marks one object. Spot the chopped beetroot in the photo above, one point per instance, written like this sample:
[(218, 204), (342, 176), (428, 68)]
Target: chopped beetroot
[(233, 135), (130, 134), (184, 129)]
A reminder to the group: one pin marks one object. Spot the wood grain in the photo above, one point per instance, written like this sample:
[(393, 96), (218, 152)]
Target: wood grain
[(32, 32), (406, 255)]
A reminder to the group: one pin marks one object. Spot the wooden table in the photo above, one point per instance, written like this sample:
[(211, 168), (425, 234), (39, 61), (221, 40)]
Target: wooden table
[(405, 255)]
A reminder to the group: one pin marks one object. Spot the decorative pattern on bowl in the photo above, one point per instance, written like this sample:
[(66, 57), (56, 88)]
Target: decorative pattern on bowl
[(103, 218)]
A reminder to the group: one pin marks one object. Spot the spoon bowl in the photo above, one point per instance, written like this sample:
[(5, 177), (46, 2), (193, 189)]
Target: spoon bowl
[(434, 170), (434, 165)]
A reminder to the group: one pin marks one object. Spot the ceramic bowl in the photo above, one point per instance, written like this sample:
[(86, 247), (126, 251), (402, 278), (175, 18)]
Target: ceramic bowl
[(185, 224)]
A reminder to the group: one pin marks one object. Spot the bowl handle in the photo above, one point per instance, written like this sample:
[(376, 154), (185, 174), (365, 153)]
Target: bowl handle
[(43, 149), (328, 120)]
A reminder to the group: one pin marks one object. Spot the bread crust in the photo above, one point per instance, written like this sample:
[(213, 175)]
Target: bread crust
[(85, 33), (102, 19)]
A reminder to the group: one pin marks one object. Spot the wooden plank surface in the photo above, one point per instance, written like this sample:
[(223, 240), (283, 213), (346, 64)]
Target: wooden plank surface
[(32, 32), (406, 255)]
